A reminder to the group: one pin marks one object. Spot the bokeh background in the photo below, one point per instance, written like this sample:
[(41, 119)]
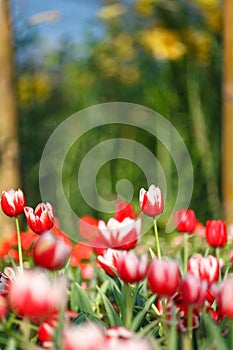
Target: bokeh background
[(164, 54)]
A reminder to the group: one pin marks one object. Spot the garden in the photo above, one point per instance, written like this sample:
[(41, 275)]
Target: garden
[(116, 176)]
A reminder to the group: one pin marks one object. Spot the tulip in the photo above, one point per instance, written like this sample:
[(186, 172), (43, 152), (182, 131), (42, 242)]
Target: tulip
[(204, 268), (41, 219), (119, 235), (33, 295), (47, 329), (117, 332), (88, 227), (120, 338), (132, 269), (50, 252), (164, 277), (124, 210), (151, 201), (216, 233), (13, 202), (185, 220), (223, 294), (109, 261), (193, 291), (84, 337)]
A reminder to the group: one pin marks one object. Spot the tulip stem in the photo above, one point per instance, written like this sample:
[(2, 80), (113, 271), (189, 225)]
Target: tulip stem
[(128, 306), (219, 267), (157, 238), (190, 326), (186, 252), (19, 244)]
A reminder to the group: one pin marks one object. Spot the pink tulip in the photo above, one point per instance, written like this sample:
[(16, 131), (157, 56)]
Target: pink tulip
[(164, 277), (151, 201)]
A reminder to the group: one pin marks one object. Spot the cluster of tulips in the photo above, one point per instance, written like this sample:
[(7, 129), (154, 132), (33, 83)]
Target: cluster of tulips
[(132, 297)]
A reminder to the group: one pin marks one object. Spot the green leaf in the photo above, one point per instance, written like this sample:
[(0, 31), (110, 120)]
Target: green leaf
[(13, 263), (214, 333), (112, 315), (79, 300), (11, 344), (152, 254), (139, 317), (85, 317)]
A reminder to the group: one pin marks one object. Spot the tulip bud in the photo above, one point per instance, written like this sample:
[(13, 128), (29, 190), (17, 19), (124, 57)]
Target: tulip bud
[(223, 294), (50, 252), (216, 233), (124, 210), (193, 290), (204, 268), (41, 219), (13, 202), (185, 220), (130, 268), (164, 277), (151, 201)]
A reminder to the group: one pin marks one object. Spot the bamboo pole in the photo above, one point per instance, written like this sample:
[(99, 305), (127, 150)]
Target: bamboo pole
[(227, 111), (9, 163)]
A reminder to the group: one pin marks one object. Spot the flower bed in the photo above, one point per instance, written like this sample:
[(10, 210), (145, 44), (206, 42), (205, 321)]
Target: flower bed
[(115, 289)]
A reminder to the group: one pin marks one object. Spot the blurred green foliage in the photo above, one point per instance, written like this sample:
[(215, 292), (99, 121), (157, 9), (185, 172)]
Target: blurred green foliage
[(163, 54)]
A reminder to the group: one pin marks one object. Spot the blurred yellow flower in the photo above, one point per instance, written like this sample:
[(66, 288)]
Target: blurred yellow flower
[(199, 44), (164, 43), (123, 46), (207, 4), (144, 7), (108, 65), (213, 19), (128, 74), (32, 88), (112, 11)]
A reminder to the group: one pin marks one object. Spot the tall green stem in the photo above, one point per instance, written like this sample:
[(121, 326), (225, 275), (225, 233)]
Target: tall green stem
[(157, 238), (19, 244), (186, 252), (218, 258), (190, 325), (128, 306)]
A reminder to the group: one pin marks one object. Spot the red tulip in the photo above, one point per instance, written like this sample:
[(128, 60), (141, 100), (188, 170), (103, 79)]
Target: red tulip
[(223, 294), (33, 295), (13, 202), (193, 291), (185, 220), (124, 210), (151, 201), (109, 261), (50, 252), (118, 332), (119, 235), (132, 269), (204, 268), (164, 277), (216, 233), (88, 227), (47, 329), (41, 219)]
